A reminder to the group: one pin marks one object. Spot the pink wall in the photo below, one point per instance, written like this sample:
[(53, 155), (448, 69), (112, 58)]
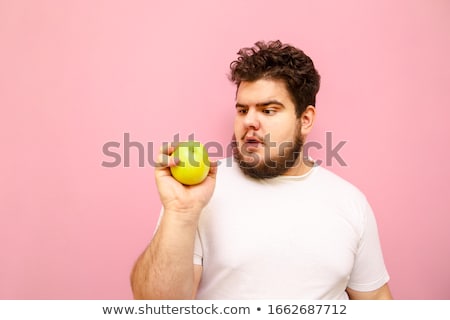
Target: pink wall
[(77, 74)]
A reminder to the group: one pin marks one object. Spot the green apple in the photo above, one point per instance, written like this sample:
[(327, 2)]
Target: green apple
[(193, 165)]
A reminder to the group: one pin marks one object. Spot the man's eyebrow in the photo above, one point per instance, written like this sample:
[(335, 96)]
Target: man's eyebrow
[(270, 102), (261, 104)]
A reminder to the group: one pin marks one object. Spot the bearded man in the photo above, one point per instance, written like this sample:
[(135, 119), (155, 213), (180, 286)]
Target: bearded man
[(268, 223)]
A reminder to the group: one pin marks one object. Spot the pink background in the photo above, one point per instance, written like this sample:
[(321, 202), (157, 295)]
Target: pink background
[(77, 74)]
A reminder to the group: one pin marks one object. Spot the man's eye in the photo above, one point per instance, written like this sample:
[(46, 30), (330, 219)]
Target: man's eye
[(269, 111), (242, 111)]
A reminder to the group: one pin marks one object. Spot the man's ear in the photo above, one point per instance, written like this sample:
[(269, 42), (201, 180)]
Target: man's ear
[(307, 119)]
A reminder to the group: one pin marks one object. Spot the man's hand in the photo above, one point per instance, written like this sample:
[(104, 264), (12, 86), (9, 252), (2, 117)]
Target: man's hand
[(179, 198)]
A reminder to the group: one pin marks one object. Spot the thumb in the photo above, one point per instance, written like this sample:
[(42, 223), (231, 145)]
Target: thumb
[(214, 164)]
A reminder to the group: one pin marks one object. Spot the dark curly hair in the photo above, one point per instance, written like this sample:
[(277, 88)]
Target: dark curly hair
[(275, 60)]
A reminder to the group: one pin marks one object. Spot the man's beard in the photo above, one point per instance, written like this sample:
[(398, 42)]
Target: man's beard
[(266, 168)]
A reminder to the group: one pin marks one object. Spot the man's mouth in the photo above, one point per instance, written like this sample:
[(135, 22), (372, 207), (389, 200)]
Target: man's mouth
[(251, 143)]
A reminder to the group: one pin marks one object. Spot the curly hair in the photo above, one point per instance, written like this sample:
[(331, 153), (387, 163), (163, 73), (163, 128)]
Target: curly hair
[(278, 61)]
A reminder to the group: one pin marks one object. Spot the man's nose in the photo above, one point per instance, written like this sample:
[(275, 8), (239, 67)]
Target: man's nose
[(252, 120)]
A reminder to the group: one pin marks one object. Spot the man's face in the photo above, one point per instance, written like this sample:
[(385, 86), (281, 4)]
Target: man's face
[(267, 132)]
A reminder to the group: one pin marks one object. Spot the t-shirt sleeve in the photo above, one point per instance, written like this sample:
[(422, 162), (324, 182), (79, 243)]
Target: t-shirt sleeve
[(158, 222), (369, 272), (198, 250)]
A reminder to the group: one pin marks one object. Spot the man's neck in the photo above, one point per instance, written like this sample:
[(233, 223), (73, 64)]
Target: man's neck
[(302, 167)]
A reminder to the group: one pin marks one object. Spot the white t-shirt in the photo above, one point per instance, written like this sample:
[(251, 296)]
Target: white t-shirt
[(290, 237)]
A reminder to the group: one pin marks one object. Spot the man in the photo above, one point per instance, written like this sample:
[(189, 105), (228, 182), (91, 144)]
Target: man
[(268, 224)]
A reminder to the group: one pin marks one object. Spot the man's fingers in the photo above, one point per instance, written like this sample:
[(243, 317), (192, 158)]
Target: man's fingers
[(213, 168), (165, 161), (168, 148), (165, 158)]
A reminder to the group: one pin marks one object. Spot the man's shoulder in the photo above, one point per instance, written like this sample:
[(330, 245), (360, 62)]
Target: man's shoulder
[(331, 180)]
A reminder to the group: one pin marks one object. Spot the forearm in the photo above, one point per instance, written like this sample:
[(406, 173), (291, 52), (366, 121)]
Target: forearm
[(165, 268)]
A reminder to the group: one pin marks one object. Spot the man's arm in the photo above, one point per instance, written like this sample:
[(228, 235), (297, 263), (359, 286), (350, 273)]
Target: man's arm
[(165, 270), (382, 293)]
